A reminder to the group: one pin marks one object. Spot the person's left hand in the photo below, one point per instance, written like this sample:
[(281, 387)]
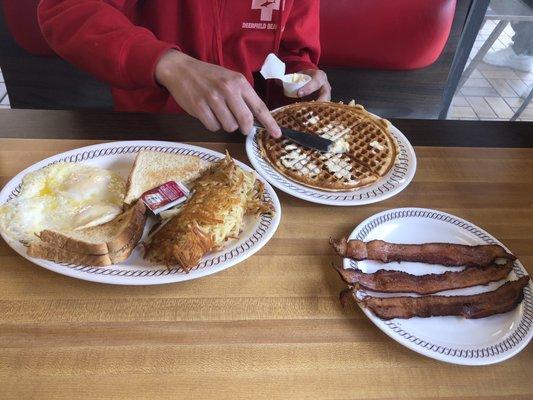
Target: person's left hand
[(318, 85)]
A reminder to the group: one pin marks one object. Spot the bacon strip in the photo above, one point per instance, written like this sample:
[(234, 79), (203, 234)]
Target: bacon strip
[(402, 282), (499, 301), (431, 253)]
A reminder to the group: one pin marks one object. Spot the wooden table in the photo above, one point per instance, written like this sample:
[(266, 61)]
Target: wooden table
[(272, 326)]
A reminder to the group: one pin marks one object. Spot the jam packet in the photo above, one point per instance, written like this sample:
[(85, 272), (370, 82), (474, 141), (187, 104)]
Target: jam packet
[(165, 196)]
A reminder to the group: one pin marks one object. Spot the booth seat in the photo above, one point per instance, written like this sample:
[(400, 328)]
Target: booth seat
[(384, 34)]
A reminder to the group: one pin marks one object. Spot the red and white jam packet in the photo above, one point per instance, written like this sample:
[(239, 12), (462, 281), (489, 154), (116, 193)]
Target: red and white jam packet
[(165, 196)]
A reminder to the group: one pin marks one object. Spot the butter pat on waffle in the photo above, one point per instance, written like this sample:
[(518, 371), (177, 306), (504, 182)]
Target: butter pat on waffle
[(370, 149)]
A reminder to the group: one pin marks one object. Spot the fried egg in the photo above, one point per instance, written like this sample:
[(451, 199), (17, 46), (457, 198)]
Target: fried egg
[(63, 196)]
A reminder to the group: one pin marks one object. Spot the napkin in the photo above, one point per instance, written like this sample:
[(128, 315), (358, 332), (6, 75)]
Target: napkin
[(274, 68)]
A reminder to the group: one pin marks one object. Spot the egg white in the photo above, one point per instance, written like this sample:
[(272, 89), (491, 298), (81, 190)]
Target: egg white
[(62, 196)]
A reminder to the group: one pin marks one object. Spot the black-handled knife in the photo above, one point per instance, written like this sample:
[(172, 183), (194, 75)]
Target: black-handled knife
[(305, 139)]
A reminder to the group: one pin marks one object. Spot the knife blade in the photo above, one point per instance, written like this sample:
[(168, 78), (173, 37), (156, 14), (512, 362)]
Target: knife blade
[(308, 140)]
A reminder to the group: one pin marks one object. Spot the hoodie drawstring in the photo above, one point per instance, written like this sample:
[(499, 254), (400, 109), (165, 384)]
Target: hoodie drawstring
[(218, 32), (279, 28)]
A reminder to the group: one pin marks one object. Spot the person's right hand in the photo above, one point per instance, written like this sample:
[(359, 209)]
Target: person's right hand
[(218, 97)]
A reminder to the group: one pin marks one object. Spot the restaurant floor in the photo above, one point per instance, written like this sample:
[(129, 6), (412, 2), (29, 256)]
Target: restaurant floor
[(4, 99), (491, 93)]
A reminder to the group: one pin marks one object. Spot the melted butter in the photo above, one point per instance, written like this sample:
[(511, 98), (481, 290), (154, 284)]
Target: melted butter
[(339, 146), (297, 161), (291, 159), (333, 132), (332, 166), (298, 78), (310, 169), (376, 145), (339, 168), (313, 120), (326, 131)]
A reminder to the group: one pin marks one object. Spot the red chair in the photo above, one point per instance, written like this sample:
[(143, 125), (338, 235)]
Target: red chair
[(395, 35)]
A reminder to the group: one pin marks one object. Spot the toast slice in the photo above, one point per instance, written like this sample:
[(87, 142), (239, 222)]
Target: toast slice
[(152, 168), (108, 238), (40, 249)]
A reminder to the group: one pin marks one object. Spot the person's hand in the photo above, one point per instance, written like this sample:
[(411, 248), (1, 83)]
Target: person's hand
[(318, 84), (218, 97)]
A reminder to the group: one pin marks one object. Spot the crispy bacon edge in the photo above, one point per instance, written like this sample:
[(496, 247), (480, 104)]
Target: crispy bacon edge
[(388, 281), (448, 254), (504, 299)]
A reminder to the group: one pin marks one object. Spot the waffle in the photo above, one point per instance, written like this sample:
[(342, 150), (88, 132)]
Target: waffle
[(372, 150)]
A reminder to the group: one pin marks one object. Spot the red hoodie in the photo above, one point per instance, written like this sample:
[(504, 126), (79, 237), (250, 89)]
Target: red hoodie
[(120, 41)]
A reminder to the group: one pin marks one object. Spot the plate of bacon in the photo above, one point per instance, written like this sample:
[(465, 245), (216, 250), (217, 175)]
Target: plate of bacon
[(439, 285)]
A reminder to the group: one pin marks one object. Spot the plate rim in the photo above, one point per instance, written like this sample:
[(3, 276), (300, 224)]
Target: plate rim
[(404, 168), (85, 153), (408, 339)]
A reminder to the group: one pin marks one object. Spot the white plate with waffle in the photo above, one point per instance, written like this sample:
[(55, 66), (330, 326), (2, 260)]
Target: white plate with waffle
[(379, 164)]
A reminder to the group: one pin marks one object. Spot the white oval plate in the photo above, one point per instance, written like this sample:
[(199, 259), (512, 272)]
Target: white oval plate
[(119, 157), (452, 339), (391, 184)]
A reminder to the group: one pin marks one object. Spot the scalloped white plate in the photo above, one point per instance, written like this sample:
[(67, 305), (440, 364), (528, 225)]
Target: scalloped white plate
[(451, 339), (119, 157), (390, 185)]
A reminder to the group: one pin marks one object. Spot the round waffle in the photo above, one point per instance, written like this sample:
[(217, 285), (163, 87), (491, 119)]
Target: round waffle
[(372, 150)]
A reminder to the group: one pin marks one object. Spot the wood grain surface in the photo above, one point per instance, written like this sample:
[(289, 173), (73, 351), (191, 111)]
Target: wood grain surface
[(270, 327)]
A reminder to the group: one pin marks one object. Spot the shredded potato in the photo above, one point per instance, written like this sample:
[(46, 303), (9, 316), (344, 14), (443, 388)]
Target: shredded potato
[(213, 214)]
